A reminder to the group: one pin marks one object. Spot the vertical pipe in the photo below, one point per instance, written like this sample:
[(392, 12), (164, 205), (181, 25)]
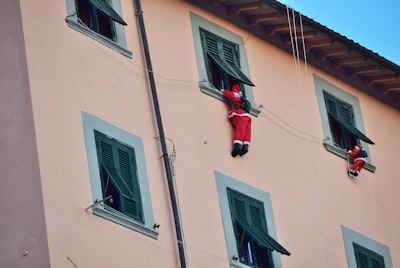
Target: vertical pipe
[(178, 227)]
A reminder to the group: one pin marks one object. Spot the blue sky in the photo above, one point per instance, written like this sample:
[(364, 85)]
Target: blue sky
[(374, 25)]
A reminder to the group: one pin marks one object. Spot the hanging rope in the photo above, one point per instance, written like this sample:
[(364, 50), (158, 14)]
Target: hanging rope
[(310, 154)]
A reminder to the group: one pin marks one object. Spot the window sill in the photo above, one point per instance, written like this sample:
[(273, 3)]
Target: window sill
[(343, 154), (75, 23), (237, 264), (119, 218), (206, 88)]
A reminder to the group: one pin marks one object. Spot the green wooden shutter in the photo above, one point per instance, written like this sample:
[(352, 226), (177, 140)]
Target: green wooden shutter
[(117, 161), (366, 258), (224, 54), (343, 114), (249, 214), (107, 9)]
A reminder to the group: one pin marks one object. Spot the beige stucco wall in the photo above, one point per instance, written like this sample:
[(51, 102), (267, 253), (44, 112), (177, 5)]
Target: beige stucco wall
[(310, 191)]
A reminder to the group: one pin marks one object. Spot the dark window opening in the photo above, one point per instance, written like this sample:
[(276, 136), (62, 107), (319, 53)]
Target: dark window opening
[(250, 252), (98, 20), (342, 137)]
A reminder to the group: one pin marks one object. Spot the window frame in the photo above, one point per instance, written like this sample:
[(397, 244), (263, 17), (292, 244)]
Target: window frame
[(119, 44), (206, 87), (92, 123), (224, 182), (321, 86), (350, 237)]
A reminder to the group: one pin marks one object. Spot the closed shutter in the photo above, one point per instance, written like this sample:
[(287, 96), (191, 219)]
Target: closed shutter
[(117, 161), (366, 258), (249, 214), (224, 54)]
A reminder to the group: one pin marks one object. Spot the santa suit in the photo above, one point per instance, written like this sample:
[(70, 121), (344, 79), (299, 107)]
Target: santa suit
[(360, 159), (239, 118)]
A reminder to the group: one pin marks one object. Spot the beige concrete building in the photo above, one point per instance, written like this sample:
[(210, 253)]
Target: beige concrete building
[(115, 145)]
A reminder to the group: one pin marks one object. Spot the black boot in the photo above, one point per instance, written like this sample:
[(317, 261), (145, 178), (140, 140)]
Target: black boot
[(245, 149), (237, 148)]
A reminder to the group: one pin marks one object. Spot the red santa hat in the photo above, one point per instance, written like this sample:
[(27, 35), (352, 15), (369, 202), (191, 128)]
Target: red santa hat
[(358, 146), (236, 88)]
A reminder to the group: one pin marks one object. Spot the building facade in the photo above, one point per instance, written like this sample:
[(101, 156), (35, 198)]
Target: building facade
[(116, 143)]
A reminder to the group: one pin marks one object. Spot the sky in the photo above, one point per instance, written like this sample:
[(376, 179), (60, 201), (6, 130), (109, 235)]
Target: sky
[(374, 25)]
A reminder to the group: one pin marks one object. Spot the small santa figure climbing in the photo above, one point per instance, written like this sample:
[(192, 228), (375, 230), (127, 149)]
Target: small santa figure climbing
[(240, 120), (359, 156)]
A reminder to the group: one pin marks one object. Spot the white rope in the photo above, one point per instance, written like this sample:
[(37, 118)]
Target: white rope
[(310, 154)]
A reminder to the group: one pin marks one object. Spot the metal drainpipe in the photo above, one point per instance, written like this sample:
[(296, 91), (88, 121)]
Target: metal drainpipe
[(178, 226)]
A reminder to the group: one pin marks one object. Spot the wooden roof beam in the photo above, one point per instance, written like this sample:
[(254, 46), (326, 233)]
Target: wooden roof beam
[(319, 43), (323, 55), (363, 70), (287, 39), (384, 90), (273, 29), (380, 78), (256, 19), (237, 9), (216, 3), (397, 99), (336, 64)]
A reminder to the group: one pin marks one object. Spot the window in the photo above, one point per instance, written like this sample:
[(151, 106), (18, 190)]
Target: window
[(364, 252), (118, 175), (222, 62), (221, 59), (342, 123), (99, 16), (254, 245), (249, 225), (341, 120), (367, 258), (100, 20)]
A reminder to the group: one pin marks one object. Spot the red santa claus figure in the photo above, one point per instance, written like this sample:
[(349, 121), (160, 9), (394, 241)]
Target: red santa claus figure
[(359, 156), (240, 120)]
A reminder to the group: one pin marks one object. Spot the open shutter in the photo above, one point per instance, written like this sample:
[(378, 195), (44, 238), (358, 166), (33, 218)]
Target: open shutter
[(105, 8), (118, 164), (342, 113), (224, 55), (249, 214)]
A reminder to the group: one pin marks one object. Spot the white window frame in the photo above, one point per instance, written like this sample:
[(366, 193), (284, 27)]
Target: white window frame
[(322, 85), (350, 237), (91, 123), (205, 86), (223, 182), (75, 23)]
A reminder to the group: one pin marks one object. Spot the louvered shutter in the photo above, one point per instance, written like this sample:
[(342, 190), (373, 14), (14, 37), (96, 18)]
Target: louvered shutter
[(225, 56), (343, 114), (118, 162), (366, 258), (248, 213), (105, 8), (362, 260)]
